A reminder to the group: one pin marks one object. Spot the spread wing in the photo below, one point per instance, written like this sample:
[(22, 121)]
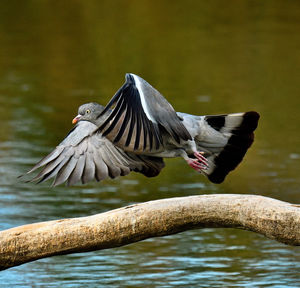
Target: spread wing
[(85, 155), (140, 118)]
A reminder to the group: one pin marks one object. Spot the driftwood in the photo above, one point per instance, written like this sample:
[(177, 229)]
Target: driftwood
[(273, 218)]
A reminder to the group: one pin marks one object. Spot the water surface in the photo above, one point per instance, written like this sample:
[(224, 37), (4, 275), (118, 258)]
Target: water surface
[(206, 58)]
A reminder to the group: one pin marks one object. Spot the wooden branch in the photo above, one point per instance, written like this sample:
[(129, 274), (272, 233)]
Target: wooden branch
[(273, 218)]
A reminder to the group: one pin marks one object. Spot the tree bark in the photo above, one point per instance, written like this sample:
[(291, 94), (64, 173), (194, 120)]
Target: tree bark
[(273, 218)]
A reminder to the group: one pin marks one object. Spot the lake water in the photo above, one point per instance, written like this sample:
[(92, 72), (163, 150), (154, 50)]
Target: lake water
[(206, 57)]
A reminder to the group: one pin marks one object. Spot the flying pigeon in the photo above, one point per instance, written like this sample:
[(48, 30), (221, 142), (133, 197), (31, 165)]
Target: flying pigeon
[(136, 130)]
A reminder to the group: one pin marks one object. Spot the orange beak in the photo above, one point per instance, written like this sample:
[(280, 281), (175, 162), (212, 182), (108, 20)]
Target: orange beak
[(76, 119)]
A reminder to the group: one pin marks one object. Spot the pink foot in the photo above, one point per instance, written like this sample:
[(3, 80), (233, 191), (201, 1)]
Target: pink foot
[(194, 163), (200, 163), (201, 158)]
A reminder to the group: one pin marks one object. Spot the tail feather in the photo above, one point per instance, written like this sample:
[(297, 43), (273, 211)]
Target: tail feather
[(236, 134)]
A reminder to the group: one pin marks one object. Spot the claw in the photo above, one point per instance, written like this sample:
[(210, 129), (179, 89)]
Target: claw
[(201, 158), (195, 164)]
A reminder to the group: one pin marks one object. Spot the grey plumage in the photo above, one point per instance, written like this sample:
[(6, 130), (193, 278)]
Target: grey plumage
[(91, 157), (136, 120), (136, 130)]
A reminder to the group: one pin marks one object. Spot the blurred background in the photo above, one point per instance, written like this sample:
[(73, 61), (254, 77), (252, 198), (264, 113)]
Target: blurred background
[(205, 57)]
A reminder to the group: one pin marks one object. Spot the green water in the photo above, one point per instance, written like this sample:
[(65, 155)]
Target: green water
[(206, 57)]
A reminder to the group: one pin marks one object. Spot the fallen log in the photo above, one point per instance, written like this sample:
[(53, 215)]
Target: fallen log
[(273, 218)]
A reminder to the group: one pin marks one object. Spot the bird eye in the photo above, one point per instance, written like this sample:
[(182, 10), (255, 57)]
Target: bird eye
[(88, 111)]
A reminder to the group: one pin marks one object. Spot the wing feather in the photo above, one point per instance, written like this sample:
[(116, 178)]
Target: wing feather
[(93, 157), (89, 169), (101, 172), (115, 116), (53, 155), (139, 113), (50, 166), (65, 172), (78, 170), (54, 171), (113, 169)]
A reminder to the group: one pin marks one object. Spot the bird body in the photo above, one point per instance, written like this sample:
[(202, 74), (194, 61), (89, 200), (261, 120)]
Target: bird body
[(136, 130)]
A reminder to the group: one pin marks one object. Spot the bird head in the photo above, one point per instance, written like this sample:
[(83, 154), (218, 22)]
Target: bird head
[(88, 112)]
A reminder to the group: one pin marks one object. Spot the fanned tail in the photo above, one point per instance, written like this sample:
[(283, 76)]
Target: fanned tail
[(226, 141)]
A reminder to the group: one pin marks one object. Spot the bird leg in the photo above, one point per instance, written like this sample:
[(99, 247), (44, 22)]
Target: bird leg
[(199, 163), (201, 158)]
